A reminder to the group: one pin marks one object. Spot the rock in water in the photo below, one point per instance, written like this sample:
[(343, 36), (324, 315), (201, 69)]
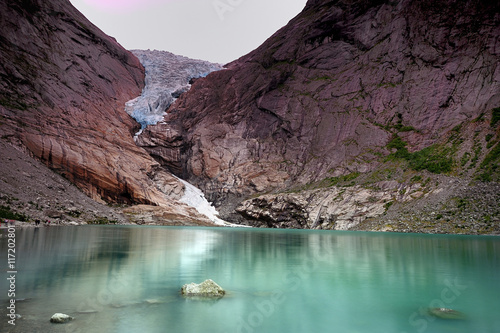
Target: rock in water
[(60, 318), (445, 313), (207, 288)]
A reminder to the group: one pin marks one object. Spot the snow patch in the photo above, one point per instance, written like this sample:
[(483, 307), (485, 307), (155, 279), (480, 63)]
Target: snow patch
[(195, 197)]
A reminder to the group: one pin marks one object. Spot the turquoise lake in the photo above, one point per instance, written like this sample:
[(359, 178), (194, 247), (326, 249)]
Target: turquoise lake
[(127, 279)]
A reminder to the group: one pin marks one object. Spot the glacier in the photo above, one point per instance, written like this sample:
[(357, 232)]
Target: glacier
[(167, 77)]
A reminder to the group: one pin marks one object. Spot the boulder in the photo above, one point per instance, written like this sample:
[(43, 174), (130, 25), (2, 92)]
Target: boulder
[(60, 318), (207, 288), (445, 313)]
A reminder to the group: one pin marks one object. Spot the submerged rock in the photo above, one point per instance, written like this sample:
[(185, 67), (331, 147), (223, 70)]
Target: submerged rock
[(207, 288), (445, 313), (60, 318), (153, 301)]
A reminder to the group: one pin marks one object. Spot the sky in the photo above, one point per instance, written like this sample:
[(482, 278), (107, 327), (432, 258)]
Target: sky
[(215, 30)]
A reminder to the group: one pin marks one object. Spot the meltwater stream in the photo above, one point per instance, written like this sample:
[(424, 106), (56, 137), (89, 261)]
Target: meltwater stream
[(127, 279)]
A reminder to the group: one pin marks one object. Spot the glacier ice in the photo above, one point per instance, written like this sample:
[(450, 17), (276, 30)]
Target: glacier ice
[(167, 77)]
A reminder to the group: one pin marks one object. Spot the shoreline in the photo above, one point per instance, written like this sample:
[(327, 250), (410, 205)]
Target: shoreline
[(26, 225)]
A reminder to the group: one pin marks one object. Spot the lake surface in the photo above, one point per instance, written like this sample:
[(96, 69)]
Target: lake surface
[(127, 279)]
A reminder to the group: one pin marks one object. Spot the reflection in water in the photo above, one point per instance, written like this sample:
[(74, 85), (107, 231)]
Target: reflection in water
[(127, 279)]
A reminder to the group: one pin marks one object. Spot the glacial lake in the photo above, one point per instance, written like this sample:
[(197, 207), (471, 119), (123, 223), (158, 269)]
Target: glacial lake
[(127, 279)]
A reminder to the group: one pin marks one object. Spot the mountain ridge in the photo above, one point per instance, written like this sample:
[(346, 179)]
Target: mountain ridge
[(63, 89), (357, 115), (344, 86)]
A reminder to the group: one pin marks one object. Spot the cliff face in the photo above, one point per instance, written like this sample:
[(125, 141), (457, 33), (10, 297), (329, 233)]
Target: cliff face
[(63, 87), (345, 85), (354, 112)]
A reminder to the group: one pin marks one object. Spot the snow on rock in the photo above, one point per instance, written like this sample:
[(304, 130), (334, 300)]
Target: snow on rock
[(194, 197), (167, 77)]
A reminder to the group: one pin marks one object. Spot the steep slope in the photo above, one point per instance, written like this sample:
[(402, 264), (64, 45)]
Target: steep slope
[(345, 88), (63, 87), (31, 190)]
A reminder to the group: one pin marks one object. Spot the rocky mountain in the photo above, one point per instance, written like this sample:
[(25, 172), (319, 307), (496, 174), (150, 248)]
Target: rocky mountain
[(357, 115), (63, 89), (352, 110)]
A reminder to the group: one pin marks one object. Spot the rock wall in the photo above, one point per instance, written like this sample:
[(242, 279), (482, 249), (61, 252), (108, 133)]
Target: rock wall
[(330, 208), (63, 87), (327, 93)]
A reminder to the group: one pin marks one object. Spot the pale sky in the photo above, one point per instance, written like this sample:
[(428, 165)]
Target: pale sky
[(215, 30)]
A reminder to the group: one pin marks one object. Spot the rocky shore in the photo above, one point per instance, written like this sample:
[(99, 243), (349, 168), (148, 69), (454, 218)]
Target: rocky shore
[(441, 204), (459, 209), (354, 116), (30, 191)]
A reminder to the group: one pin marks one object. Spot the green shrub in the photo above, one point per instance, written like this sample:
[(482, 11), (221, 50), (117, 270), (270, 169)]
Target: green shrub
[(7, 213), (431, 158), (416, 179), (74, 213), (489, 167), (332, 181), (400, 146), (491, 144), (102, 220), (495, 117)]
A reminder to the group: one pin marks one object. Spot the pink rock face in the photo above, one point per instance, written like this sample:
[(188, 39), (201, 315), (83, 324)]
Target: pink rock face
[(324, 95), (63, 88)]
